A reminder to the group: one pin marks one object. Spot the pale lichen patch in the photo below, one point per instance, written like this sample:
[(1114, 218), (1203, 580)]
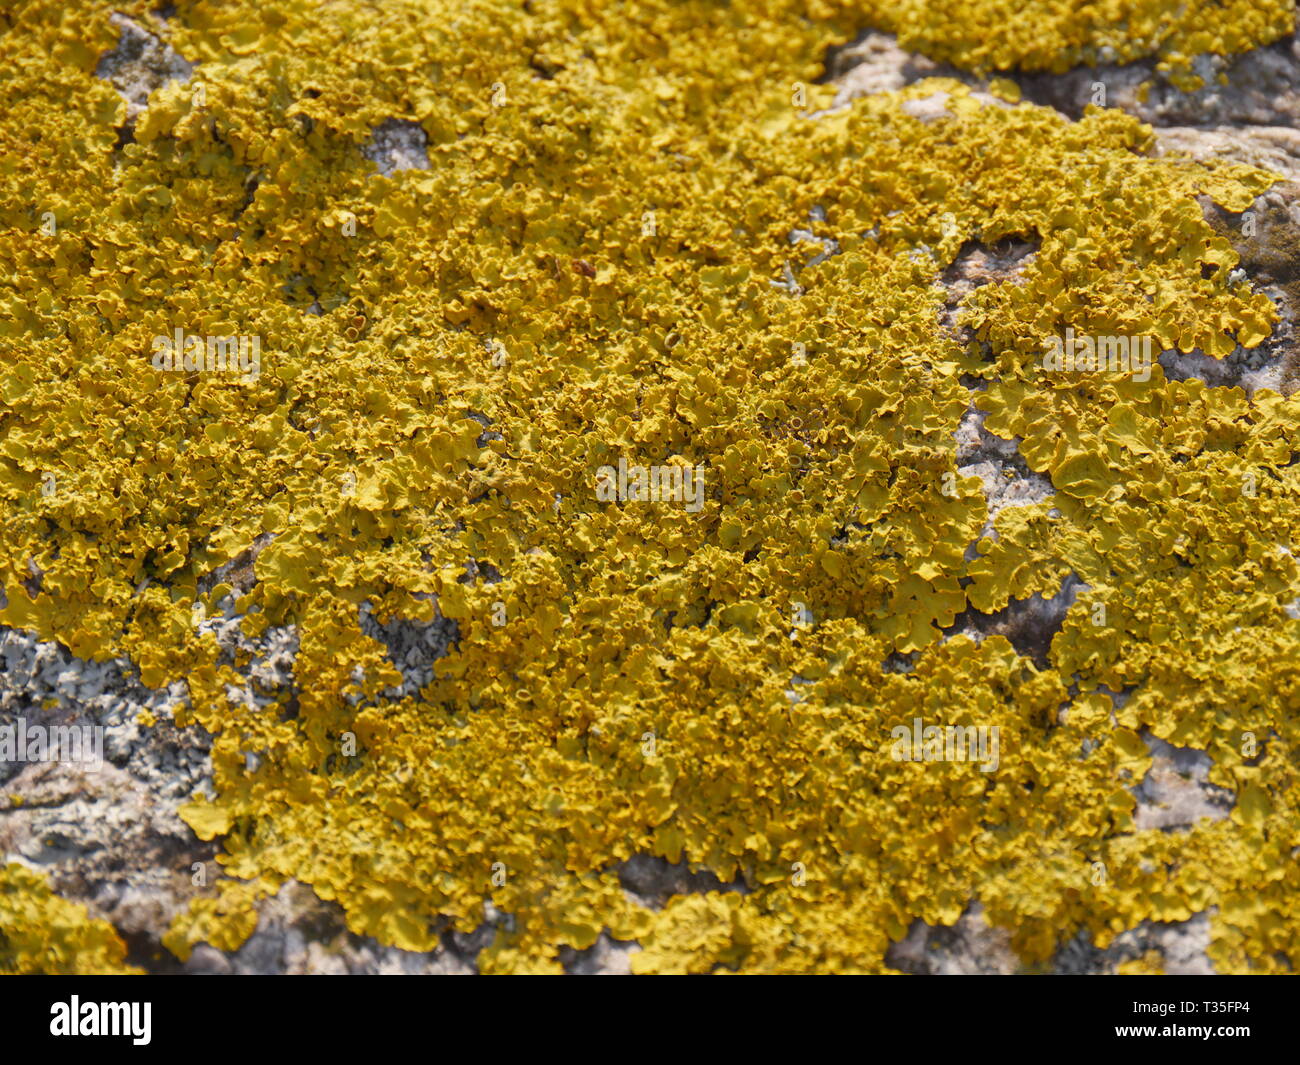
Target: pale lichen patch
[(396, 145)]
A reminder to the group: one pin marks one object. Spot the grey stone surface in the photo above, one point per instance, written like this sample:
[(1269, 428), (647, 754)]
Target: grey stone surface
[(1261, 90), (651, 882), (298, 933), (1029, 624), (110, 837), (1176, 792), (107, 834), (1182, 945), (412, 646), (140, 63)]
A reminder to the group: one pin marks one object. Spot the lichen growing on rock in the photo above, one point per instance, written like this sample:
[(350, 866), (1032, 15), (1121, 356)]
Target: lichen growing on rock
[(42, 933), (597, 264)]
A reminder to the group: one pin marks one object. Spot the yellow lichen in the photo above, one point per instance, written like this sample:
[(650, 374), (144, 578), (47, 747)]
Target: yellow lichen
[(42, 933), (596, 260)]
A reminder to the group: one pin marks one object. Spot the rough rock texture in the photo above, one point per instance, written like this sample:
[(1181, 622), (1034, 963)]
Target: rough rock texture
[(1028, 623), (968, 947), (1004, 477), (1272, 147), (979, 264), (972, 947), (397, 145), (1175, 792), (106, 834), (298, 933), (606, 957), (412, 647), (1179, 949), (139, 64), (1269, 247), (875, 63), (653, 881), (1263, 86), (1251, 120)]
